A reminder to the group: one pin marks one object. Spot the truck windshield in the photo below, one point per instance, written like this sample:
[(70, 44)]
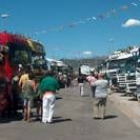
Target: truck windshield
[(138, 63), (115, 64), (130, 66), (19, 57)]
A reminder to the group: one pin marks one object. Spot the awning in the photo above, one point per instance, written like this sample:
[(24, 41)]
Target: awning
[(30, 43), (35, 46)]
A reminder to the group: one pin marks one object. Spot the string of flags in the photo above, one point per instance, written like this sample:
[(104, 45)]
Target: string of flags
[(113, 12)]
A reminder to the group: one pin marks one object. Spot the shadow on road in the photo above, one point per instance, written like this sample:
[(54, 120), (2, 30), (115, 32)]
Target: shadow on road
[(133, 99), (6, 119), (58, 98), (60, 119), (110, 117)]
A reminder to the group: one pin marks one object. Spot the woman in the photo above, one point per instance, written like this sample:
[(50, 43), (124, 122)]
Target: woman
[(29, 88)]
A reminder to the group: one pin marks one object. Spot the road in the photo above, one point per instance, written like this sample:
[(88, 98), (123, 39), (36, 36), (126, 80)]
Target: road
[(73, 121)]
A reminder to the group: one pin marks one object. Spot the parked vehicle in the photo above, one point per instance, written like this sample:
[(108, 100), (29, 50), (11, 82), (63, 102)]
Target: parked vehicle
[(17, 52)]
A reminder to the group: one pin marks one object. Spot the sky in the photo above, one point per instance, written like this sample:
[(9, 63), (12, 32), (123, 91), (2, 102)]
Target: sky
[(74, 28)]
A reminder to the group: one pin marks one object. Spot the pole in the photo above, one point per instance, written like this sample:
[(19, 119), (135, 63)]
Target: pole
[(111, 46)]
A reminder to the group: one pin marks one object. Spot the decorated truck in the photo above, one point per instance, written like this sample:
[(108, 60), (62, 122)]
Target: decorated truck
[(17, 52)]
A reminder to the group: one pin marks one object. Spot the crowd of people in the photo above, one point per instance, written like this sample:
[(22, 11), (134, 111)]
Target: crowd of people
[(26, 91), (42, 94)]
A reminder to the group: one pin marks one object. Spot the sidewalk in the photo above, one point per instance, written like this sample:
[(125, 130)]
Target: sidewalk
[(128, 105)]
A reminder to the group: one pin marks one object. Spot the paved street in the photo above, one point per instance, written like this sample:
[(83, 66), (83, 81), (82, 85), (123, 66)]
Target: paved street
[(73, 121)]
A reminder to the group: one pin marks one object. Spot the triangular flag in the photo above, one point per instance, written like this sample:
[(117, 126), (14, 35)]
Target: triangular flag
[(124, 7)]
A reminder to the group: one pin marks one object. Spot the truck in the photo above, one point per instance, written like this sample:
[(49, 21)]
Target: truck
[(129, 76), (113, 65), (17, 50), (84, 70)]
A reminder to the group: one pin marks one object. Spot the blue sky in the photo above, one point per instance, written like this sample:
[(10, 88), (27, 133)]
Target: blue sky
[(75, 28)]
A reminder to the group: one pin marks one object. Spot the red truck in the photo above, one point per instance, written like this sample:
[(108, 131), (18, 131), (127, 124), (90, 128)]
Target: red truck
[(17, 50)]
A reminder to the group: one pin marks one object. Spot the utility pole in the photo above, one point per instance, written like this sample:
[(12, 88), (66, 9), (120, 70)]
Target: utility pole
[(111, 46)]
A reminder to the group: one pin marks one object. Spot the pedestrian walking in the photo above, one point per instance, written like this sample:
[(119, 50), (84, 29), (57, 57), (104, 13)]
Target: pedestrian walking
[(28, 89), (23, 78), (38, 99), (99, 102), (48, 87), (91, 79), (81, 84)]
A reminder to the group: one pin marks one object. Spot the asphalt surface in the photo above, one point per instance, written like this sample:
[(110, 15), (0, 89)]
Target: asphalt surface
[(73, 121)]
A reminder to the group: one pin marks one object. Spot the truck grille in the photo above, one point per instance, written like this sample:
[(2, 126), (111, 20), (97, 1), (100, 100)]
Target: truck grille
[(131, 77)]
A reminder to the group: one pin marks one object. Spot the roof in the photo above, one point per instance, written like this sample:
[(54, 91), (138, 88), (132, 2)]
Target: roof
[(33, 45), (36, 46)]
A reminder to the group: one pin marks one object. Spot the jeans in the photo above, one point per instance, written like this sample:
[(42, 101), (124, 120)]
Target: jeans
[(48, 108)]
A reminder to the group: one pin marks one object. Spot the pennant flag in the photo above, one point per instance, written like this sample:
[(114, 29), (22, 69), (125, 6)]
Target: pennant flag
[(72, 25), (61, 28), (100, 16), (94, 18), (43, 31), (88, 19), (80, 22), (37, 33), (107, 14), (83, 22), (124, 7), (134, 4), (113, 11)]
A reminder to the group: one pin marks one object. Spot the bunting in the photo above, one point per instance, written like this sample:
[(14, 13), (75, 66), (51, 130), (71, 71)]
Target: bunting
[(108, 14)]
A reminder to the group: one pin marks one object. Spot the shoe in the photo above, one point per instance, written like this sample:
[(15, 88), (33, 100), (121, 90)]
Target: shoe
[(44, 122), (24, 119), (96, 118), (29, 120), (102, 118), (50, 122)]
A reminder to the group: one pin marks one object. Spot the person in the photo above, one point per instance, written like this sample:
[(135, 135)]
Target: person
[(48, 87), (91, 79), (29, 89), (23, 78), (15, 92), (101, 92), (38, 99), (81, 84), (20, 68)]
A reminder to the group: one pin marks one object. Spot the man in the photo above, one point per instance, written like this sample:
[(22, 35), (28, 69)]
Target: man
[(81, 84), (47, 88), (99, 102), (91, 79)]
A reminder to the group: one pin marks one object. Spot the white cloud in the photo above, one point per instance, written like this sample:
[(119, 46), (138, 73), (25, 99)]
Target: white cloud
[(131, 23), (89, 53)]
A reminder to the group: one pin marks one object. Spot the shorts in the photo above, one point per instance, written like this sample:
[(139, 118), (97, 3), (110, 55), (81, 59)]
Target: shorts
[(27, 102)]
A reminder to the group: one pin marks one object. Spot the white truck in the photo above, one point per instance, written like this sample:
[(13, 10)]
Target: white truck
[(129, 75), (124, 71), (84, 70), (112, 66)]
